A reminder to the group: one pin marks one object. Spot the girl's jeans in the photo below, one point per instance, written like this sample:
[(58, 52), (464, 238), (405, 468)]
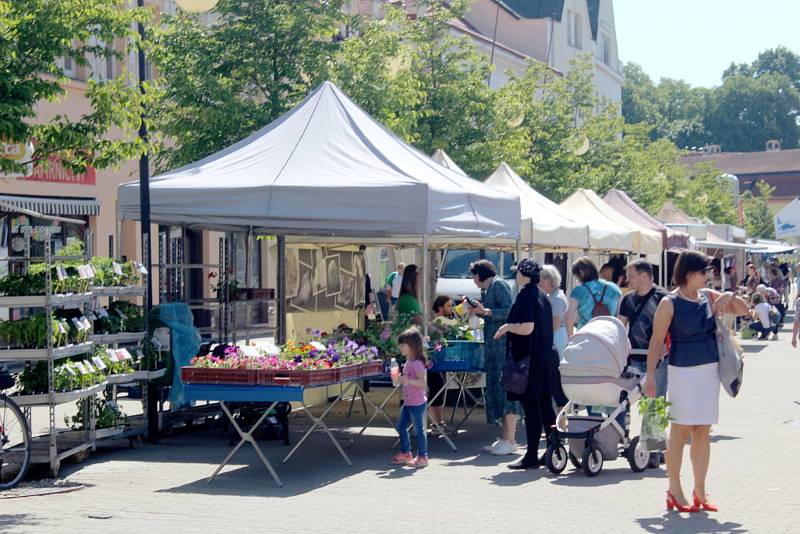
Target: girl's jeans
[(416, 415)]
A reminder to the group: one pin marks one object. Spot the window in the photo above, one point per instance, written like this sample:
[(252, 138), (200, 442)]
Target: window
[(67, 65), (605, 49), (457, 262), (574, 29), (102, 66)]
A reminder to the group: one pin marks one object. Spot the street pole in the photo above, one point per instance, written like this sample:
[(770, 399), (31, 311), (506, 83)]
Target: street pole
[(153, 393)]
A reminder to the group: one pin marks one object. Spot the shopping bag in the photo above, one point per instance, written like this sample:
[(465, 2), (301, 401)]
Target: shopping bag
[(652, 438), (747, 333)]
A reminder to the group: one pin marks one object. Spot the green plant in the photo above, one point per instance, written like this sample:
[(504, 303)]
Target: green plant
[(657, 408), (30, 332), (107, 414)]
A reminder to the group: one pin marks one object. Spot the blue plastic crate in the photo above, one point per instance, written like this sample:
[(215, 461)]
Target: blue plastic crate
[(459, 356)]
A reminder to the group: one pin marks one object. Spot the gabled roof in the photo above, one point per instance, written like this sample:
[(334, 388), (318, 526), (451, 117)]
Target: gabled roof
[(594, 16), (465, 27), (535, 9), (743, 163)]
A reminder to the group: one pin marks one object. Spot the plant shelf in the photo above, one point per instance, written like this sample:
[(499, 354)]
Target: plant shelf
[(43, 399), (30, 355), (40, 301), (120, 338), (118, 291)]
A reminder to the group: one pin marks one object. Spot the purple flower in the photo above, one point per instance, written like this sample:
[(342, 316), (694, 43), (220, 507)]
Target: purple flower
[(374, 350), (386, 334)]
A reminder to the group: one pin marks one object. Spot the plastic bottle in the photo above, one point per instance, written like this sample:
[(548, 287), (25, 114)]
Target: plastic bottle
[(394, 371)]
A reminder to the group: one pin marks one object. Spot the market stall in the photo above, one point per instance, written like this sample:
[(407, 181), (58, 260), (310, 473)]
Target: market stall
[(326, 173)]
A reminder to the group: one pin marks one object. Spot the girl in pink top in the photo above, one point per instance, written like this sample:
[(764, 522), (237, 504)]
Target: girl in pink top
[(415, 388)]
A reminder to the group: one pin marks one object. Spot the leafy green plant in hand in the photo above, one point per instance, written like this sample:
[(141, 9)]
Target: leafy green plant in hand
[(657, 408)]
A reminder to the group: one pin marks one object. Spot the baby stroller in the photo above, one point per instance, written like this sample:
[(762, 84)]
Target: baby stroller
[(594, 372)]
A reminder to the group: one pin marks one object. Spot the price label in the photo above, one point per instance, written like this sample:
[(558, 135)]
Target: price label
[(90, 272), (82, 272), (102, 312), (85, 323), (112, 355), (62, 327), (139, 355), (61, 273), (70, 370), (121, 314), (117, 268), (91, 316), (81, 368), (76, 323), (139, 267), (123, 355), (89, 366), (99, 363)]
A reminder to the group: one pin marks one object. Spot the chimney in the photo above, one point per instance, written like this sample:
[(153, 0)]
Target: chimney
[(773, 145), (712, 149)]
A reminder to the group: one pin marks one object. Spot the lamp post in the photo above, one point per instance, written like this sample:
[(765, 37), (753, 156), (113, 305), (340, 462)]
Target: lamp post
[(192, 6)]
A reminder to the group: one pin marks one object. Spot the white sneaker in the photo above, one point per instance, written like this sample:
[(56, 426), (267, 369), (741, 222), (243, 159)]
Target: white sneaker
[(493, 446), (504, 449)]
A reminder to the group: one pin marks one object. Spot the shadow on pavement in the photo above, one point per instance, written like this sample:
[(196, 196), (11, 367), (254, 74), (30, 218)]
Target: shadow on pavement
[(721, 437), (8, 522), (693, 524), (753, 349), (510, 478), (610, 476)]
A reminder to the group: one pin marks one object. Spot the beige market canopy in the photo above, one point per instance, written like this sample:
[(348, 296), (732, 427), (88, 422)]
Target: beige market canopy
[(590, 206), (441, 157), (620, 201)]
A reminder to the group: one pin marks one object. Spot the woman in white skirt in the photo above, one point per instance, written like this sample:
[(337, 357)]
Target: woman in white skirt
[(688, 316)]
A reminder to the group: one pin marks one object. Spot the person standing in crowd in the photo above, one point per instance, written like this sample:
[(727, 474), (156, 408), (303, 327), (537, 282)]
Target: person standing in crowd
[(408, 300), (550, 284), (494, 309), (591, 296), (443, 319), (637, 312), (392, 286), (411, 344), (607, 272), (530, 335), (751, 280), (761, 320), (688, 316)]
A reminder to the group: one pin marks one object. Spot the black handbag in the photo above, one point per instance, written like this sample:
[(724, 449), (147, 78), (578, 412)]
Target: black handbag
[(515, 374)]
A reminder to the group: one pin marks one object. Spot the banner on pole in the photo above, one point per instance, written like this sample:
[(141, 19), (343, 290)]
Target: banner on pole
[(787, 221)]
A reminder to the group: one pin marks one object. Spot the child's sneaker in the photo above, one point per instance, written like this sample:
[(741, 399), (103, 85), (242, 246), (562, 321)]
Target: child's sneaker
[(402, 458), (419, 461)]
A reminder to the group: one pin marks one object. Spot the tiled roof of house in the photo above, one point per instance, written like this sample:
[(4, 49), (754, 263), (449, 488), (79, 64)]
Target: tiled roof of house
[(744, 163)]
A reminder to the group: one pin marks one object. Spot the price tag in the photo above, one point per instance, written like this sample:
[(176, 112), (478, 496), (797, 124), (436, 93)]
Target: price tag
[(62, 327), (77, 324), (91, 316), (89, 366), (98, 362), (139, 355), (123, 355), (91, 273), (70, 370), (61, 273), (156, 343), (117, 268), (121, 314), (139, 267), (82, 272), (85, 322), (112, 355), (81, 368), (102, 312)]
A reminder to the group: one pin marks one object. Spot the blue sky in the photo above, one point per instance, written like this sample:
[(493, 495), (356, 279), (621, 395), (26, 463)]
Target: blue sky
[(695, 40)]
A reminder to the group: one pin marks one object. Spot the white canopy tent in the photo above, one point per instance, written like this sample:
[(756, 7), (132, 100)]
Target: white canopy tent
[(441, 157), (590, 206), (327, 168)]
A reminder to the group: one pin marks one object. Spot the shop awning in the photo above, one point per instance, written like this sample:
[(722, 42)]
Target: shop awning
[(767, 246), (441, 157), (715, 242), (50, 205)]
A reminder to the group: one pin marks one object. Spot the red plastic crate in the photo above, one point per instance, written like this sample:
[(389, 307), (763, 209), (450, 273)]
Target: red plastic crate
[(319, 377), (199, 375), (372, 368), (278, 377), (350, 372)]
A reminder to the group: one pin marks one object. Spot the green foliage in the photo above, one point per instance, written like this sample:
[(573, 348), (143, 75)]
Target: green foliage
[(778, 60), (657, 408), (36, 34), (706, 195), (107, 414), (758, 218), (227, 79)]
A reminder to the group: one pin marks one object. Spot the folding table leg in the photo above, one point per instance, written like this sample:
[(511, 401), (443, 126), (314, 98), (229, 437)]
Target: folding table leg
[(476, 402), (247, 436), (361, 396), (319, 422), (380, 410)]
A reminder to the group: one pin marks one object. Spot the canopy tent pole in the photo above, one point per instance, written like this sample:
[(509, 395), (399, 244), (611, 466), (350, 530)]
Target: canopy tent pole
[(426, 265), (281, 291)]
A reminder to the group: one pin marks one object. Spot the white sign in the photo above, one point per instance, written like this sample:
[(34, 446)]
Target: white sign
[(787, 221)]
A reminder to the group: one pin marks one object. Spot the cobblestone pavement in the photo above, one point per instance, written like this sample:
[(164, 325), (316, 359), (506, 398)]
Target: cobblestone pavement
[(163, 488)]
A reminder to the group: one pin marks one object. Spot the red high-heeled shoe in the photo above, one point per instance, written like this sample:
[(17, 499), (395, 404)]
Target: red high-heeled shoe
[(672, 504), (703, 505)]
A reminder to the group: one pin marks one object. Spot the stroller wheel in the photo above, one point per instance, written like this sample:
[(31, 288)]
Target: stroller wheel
[(592, 461), (555, 458), (637, 457), (574, 460)]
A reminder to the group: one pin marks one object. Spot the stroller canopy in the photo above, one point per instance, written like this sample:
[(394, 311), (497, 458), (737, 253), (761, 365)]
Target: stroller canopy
[(599, 349)]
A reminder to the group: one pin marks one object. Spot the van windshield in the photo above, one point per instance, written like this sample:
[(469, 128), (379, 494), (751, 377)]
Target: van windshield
[(457, 262)]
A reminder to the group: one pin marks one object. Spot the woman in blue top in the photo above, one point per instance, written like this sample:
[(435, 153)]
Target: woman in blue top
[(688, 315), (591, 291)]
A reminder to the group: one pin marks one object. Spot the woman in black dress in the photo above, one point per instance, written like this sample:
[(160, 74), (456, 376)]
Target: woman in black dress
[(530, 333)]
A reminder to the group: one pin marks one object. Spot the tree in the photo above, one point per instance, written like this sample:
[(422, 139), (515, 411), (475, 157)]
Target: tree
[(225, 80), (778, 60), (706, 195), (758, 218), (37, 35), (746, 112)]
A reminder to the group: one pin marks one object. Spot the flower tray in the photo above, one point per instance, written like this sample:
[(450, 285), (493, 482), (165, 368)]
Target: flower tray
[(350, 372), (320, 377), (201, 375), (279, 377), (373, 368)]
